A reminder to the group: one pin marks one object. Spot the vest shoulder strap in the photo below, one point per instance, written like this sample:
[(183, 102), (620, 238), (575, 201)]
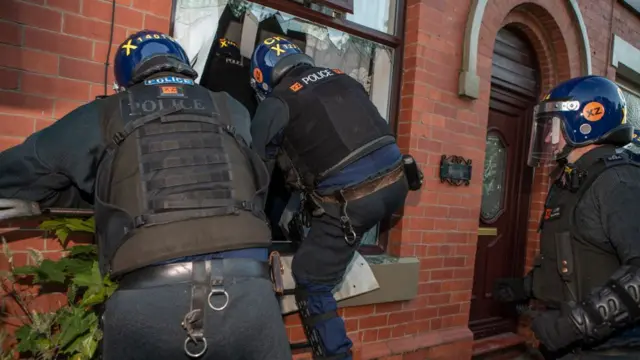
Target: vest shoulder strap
[(602, 164)]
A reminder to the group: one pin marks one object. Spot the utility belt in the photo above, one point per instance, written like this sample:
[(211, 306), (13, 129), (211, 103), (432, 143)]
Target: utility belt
[(312, 203), (208, 279)]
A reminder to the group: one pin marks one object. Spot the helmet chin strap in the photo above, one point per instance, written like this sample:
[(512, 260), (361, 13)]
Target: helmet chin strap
[(561, 157), (561, 162)]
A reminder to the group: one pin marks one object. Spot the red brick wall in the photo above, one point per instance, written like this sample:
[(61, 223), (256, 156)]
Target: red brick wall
[(53, 60)]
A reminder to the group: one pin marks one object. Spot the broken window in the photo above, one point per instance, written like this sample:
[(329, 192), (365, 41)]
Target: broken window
[(199, 22)]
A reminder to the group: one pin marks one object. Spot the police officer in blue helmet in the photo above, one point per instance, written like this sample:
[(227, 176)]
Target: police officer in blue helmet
[(320, 127), (587, 275), (227, 70), (177, 195)]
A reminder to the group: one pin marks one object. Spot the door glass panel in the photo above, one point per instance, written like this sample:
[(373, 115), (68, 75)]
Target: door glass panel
[(198, 22), (493, 182)]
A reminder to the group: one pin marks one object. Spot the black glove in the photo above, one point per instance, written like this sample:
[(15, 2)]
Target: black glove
[(554, 330), (512, 289)]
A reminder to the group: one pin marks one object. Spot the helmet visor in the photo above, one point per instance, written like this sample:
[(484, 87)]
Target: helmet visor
[(546, 142)]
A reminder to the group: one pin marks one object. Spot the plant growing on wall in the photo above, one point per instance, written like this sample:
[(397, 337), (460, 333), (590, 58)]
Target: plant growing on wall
[(71, 332)]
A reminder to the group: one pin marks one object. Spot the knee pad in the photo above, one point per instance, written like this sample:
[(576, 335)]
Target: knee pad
[(322, 325)]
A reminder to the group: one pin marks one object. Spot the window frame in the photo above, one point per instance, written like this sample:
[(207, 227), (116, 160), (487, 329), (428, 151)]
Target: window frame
[(340, 5), (628, 85), (395, 41)]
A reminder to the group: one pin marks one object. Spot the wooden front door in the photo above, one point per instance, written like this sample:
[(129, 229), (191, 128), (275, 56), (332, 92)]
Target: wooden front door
[(506, 182)]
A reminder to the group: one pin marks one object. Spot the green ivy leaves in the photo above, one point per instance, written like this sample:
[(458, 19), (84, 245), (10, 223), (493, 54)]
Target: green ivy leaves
[(71, 332), (63, 227)]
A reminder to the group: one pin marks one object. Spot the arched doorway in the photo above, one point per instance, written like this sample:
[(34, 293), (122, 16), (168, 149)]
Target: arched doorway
[(507, 180)]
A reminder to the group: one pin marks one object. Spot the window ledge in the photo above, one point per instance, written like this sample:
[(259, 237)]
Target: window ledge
[(397, 277)]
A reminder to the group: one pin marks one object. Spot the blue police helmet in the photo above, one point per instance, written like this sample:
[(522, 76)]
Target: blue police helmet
[(579, 112), (227, 48), (140, 48), (272, 60)]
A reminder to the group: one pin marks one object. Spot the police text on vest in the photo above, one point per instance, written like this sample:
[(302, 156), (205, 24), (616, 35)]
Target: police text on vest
[(319, 75)]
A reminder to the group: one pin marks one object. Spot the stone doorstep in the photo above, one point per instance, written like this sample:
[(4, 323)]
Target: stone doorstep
[(404, 345), (497, 343)]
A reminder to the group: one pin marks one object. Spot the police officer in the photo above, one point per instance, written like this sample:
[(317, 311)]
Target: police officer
[(177, 195), (228, 71), (332, 144), (587, 275)]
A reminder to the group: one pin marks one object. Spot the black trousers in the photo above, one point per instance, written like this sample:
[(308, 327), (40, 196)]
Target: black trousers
[(324, 254), (321, 261), (145, 323)]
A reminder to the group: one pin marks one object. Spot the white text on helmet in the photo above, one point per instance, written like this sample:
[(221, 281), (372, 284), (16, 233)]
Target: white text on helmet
[(169, 80), (317, 76), (140, 39)]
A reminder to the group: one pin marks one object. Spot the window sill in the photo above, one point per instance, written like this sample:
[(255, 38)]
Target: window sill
[(397, 277)]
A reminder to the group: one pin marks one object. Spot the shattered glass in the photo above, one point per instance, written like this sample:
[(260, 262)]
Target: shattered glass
[(371, 64), (197, 20)]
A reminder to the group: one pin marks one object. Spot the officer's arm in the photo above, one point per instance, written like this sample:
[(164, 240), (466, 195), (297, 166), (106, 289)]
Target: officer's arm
[(616, 304), (55, 166), (240, 118), (272, 116)]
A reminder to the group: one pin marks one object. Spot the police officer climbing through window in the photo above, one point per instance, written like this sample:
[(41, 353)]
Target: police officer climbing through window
[(322, 130), (228, 71), (178, 198), (587, 275)]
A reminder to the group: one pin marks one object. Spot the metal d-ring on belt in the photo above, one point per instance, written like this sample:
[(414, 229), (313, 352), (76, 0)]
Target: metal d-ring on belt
[(208, 282), (193, 322)]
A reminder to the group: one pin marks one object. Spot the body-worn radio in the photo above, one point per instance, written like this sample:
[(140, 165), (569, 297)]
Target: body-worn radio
[(412, 172)]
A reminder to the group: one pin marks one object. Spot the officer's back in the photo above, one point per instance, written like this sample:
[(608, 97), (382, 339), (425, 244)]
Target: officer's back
[(164, 179)]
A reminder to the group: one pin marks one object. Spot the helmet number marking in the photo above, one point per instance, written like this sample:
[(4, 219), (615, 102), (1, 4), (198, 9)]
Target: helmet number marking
[(593, 111), (272, 40), (257, 74)]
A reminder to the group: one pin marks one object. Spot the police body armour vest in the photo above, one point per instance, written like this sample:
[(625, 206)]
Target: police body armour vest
[(332, 123), (175, 180), (571, 265)]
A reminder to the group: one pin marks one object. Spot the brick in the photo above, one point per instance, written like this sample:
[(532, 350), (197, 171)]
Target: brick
[(359, 311), (65, 5), (90, 28), (10, 33), (56, 87), (124, 16), (98, 90), (157, 23), (100, 50), (58, 43), (372, 321), (43, 123), (11, 125), (9, 79), (25, 105), (156, 7), (81, 70), (37, 16), (18, 58), (63, 107)]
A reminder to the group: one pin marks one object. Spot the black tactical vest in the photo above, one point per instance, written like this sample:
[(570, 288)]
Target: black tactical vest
[(571, 265), (231, 76), (175, 180), (332, 123)]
